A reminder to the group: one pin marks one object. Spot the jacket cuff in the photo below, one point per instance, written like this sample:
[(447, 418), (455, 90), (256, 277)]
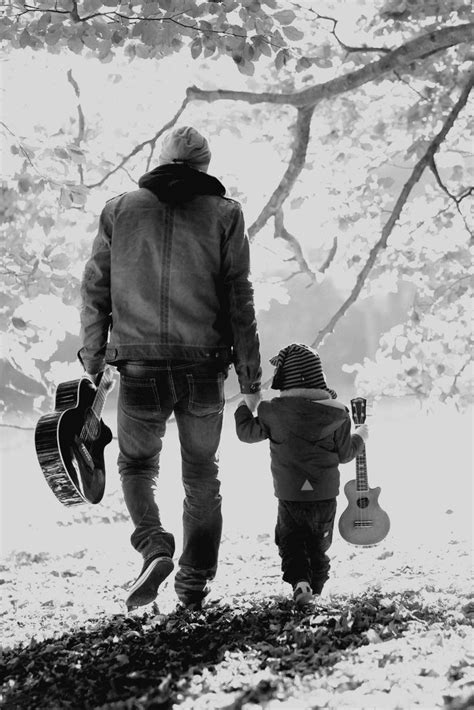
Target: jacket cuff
[(250, 388), (91, 365), (359, 440)]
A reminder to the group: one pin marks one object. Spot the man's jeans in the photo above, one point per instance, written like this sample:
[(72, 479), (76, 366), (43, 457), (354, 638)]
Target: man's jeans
[(149, 393), (303, 534)]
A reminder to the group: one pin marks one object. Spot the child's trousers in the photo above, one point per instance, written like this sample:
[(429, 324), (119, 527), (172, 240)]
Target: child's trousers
[(303, 534)]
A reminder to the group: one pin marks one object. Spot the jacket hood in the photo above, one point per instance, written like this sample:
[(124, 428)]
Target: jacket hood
[(308, 419), (175, 184)]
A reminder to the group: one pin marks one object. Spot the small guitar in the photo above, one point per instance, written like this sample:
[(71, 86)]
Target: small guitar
[(70, 441), (363, 522)]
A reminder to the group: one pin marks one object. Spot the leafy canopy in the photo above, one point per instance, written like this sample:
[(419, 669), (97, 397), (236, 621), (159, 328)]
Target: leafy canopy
[(325, 177)]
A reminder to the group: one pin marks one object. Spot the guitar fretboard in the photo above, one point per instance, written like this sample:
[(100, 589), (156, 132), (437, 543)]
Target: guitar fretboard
[(362, 482), (92, 422)]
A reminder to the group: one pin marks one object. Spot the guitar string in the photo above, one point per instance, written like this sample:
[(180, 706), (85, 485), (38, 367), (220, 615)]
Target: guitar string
[(90, 427)]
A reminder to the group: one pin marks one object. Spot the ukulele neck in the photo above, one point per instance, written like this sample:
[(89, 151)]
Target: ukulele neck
[(362, 481)]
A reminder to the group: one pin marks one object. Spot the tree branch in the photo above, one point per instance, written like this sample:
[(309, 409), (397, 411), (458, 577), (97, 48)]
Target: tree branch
[(295, 166), (457, 200), (452, 390), (113, 15), (407, 53), (282, 233), (346, 47), (395, 214), (19, 143), (330, 257), (151, 142), (81, 120), (412, 51)]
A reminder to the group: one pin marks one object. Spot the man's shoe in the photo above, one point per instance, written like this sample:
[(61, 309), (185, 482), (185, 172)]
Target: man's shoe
[(145, 589), (192, 601), (195, 605), (302, 593)]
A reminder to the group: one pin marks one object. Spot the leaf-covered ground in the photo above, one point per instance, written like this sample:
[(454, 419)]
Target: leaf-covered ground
[(392, 630), (67, 642)]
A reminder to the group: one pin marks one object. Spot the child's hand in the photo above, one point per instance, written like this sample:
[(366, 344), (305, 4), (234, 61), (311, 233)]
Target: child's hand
[(252, 400), (363, 431)]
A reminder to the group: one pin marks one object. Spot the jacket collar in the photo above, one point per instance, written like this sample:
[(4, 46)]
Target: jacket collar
[(306, 392)]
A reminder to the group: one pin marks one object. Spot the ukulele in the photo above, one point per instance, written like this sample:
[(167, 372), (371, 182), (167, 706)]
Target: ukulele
[(363, 522), (70, 441)]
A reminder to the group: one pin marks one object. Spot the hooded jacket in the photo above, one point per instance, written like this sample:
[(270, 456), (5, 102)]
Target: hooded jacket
[(309, 437), (168, 277)]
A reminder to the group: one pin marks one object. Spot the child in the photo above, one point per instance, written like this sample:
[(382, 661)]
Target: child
[(310, 434)]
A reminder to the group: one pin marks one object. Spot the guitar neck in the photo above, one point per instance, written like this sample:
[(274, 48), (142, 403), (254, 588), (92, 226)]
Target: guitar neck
[(91, 424), (99, 401)]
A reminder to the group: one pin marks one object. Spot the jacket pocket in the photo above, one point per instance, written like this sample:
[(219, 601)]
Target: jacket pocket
[(139, 393), (206, 393)]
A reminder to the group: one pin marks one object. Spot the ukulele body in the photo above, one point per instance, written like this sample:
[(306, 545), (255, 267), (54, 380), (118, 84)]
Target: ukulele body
[(73, 468), (363, 522)]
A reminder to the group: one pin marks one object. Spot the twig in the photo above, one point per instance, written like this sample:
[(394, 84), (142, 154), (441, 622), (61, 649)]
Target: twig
[(457, 200), (112, 16), (20, 145), (407, 83), (395, 214), (151, 141), (346, 47), (445, 395)]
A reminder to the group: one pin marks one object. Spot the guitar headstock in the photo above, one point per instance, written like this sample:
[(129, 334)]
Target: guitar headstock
[(359, 407)]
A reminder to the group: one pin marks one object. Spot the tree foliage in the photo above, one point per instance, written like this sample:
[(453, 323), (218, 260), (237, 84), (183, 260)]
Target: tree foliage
[(374, 102)]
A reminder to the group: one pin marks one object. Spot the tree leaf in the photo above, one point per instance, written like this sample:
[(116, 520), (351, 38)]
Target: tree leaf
[(281, 58), (285, 17), (196, 47), (292, 33), (91, 6)]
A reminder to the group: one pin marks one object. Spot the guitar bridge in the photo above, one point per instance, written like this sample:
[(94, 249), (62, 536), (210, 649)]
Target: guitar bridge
[(363, 523)]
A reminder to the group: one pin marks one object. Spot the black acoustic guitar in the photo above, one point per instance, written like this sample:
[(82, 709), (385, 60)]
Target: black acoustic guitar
[(70, 441), (363, 522)]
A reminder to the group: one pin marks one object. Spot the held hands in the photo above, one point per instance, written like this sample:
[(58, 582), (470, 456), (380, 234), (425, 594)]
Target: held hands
[(252, 400), (363, 431)]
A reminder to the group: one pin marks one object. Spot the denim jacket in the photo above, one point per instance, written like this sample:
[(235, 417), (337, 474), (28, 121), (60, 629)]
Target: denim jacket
[(168, 278)]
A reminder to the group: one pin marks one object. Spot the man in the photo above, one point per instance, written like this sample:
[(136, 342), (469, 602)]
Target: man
[(166, 298)]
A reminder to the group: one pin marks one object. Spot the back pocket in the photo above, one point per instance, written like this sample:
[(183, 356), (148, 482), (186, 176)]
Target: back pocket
[(139, 393), (206, 393)]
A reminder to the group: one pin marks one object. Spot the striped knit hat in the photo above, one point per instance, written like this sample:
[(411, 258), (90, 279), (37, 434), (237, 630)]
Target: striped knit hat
[(298, 365)]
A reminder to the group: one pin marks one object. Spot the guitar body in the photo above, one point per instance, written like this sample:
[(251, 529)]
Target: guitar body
[(73, 466), (363, 522)]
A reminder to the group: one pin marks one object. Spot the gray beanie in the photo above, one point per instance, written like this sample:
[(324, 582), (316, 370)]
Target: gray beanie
[(186, 145)]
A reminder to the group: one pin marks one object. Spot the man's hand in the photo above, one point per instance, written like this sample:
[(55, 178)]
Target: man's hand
[(95, 378), (252, 400)]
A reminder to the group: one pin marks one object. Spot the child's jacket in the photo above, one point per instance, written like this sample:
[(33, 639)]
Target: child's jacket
[(308, 439)]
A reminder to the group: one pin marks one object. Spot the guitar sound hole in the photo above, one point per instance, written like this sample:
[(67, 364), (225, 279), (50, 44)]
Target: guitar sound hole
[(362, 502)]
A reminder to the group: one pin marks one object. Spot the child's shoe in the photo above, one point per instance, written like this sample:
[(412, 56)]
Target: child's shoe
[(302, 593)]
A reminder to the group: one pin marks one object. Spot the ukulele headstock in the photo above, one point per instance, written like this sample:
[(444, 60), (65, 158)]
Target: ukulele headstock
[(359, 409)]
